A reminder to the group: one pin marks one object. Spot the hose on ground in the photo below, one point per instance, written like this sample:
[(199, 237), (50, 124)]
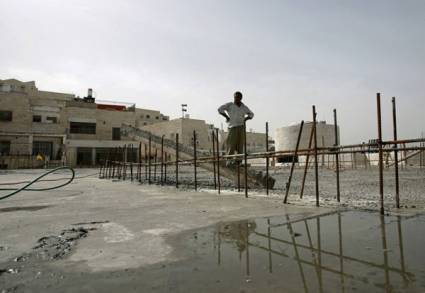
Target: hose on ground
[(25, 187)]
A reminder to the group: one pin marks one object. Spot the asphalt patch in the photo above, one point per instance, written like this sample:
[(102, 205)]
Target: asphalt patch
[(23, 268), (90, 223), (24, 208)]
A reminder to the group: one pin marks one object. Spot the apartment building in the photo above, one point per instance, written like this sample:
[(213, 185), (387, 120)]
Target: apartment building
[(62, 127)]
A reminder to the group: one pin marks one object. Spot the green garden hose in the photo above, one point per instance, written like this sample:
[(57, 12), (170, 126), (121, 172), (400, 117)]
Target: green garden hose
[(25, 187)]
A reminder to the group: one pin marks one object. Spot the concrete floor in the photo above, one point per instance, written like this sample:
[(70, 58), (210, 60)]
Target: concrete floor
[(130, 226)]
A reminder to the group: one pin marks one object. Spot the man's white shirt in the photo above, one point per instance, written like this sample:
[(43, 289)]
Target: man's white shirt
[(236, 113)]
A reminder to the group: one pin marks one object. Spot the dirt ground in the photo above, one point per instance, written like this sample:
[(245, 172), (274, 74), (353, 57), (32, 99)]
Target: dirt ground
[(359, 188), (107, 235)]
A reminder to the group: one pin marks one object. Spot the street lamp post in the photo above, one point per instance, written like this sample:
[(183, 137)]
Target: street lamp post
[(184, 109)]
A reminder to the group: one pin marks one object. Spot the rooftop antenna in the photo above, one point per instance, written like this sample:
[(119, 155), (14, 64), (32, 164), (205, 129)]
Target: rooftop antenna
[(184, 109)]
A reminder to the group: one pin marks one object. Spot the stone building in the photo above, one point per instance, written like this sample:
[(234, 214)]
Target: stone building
[(60, 126), (184, 127), (286, 138), (255, 141)]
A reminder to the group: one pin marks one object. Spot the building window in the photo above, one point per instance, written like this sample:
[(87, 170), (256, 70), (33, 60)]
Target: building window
[(144, 123), (5, 115), (164, 118), (52, 119), (116, 133), (148, 116), (82, 127), (36, 118), (156, 117), (44, 148), (84, 157), (4, 147)]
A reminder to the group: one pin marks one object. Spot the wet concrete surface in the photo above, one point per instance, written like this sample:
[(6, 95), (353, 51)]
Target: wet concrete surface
[(358, 187), (348, 251), (340, 252), (126, 237), (128, 228)]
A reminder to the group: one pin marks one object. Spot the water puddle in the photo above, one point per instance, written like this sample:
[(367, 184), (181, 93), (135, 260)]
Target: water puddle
[(348, 251), (339, 252)]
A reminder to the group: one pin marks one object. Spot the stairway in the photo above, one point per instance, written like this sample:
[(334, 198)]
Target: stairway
[(255, 179)]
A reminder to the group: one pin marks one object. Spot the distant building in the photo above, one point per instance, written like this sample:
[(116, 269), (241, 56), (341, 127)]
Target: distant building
[(184, 127), (62, 127), (286, 137), (255, 141)]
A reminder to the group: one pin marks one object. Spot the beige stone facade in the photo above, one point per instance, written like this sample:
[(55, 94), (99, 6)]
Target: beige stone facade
[(286, 137), (62, 126), (184, 127), (255, 141)]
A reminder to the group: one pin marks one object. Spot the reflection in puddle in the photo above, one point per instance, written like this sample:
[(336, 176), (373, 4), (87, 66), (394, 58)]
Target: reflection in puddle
[(340, 252)]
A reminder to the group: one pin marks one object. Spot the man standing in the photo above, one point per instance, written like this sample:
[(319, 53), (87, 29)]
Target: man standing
[(236, 114)]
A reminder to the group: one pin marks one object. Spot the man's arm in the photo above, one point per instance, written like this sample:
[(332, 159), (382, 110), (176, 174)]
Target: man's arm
[(222, 111), (249, 114)]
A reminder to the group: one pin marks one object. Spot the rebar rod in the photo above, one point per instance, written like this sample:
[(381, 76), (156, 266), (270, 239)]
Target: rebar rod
[(316, 169), (150, 159), (336, 157), (194, 162), (213, 154), (238, 170), (155, 164), (165, 168), (177, 160), (306, 163), (139, 169), (267, 158), (245, 162), (397, 187), (218, 161), (131, 163), (381, 167), (162, 160), (294, 159), (146, 160)]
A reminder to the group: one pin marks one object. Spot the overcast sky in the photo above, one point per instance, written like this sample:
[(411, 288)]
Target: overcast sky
[(283, 55)]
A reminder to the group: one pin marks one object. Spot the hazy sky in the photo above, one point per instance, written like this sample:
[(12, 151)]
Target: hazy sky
[(283, 55)]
